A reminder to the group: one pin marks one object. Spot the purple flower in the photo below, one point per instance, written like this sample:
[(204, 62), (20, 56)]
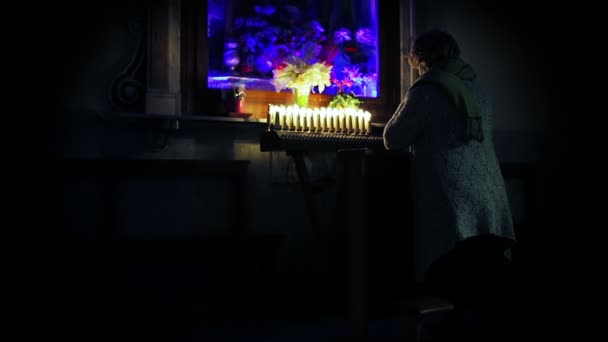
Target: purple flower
[(352, 73), (342, 35), (365, 36)]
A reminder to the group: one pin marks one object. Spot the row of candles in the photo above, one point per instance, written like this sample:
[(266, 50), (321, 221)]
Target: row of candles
[(337, 120)]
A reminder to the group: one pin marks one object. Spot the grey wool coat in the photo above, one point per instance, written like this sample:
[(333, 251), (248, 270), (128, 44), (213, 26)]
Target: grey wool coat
[(458, 188)]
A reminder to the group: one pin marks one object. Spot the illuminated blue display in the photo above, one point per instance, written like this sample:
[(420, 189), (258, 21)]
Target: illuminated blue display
[(248, 39)]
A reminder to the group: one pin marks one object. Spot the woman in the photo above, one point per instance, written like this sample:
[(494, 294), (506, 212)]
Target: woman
[(458, 187)]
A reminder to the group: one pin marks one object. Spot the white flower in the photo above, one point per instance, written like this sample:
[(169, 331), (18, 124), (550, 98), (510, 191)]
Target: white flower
[(302, 76)]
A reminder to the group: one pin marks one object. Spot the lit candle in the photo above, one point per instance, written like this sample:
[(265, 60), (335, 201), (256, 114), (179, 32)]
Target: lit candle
[(368, 122), (315, 119), (355, 122), (309, 114), (269, 118), (335, 120), (329, 118), (341, 126), (361, 123), (349, 126), (283, 117), (296, 118), (322, 115), (276, 122), (288, 115), (303, 112), (277, 117)]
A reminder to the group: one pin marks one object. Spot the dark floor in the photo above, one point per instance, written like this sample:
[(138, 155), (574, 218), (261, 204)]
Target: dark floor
[(85, 294)]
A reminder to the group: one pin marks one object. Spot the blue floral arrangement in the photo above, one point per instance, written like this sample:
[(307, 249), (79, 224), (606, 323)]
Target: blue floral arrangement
[(269, 36)]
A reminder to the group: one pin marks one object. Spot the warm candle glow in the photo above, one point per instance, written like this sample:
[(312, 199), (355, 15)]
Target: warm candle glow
[(322, 120), (315, 119), (270, 118), (360, 121), (355, 122), (288, 116), (296, 119), (308, 124), (282, 117), (368, 122), (339, 120)]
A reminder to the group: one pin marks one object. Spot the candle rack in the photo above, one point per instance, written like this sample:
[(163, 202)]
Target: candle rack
[(319, 120)]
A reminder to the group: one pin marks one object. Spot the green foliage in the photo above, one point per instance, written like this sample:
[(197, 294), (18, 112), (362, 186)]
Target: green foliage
[(344, 100)]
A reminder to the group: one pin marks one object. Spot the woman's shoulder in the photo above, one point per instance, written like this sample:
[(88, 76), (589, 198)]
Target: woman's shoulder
[(425, 92)]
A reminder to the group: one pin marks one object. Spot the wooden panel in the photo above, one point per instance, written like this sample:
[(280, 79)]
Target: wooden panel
[(158, 75), (163, 91), (110, 171), (257, 101), (193, 44)]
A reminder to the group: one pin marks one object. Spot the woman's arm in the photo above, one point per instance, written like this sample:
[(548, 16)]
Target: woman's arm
[(409, 120)]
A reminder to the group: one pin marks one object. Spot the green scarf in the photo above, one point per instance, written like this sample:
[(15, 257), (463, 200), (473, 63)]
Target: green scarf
[(450, 76)]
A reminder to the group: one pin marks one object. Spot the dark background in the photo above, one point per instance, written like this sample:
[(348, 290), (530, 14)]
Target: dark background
[(52, 42)]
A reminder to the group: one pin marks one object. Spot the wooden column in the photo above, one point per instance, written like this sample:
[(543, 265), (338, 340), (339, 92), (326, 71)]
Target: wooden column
[(163, 95)]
